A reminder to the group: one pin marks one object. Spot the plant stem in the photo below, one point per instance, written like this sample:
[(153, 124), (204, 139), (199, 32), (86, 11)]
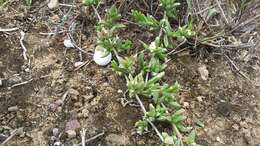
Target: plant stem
[(96, 12), (151, 123), (176, 130)]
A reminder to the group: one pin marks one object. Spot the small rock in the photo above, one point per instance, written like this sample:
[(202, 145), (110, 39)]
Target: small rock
[(55, 131), (218, 139), (236, 118), (13, 108), (114, 139), (53, 4), (27, 70), (55, 18), (119, 91), (186, 104), (204, 73), (71, 133), (85, 113), (105, 84), (72, 125), (200, 98), (59, 109), (78, 104), (88, 97), (53, 138), (53, 107), (235, 126), (59, 102), (68, 44), (15, 79), (243, 124), (73, 92), (80, 115), (57, 143)]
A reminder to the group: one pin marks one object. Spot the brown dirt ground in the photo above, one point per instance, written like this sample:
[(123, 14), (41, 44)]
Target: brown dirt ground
[(229, 107)]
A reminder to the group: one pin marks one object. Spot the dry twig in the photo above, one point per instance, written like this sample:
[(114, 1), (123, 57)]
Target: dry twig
[(23, 47), (13, 133), (92, 138), (151, 123), (8, 29), (19, 84)]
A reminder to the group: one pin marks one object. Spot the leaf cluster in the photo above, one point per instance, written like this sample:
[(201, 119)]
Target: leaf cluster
[(146, 21), (168, 34), (107, 28), (170, 7)]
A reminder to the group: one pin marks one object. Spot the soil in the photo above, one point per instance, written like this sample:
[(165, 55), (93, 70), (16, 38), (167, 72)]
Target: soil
[(223, 106)]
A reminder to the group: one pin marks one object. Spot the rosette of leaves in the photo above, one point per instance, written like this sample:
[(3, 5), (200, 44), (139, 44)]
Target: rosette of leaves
[(124, 65)]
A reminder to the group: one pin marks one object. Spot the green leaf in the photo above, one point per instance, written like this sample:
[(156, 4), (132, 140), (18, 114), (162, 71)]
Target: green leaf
[(117, 27), (183, 128), (155, 66), (156, 50), (191, 140), (143, 63), (199, 123), (179, 118), (170, 7), (90, 2), (165, 41), (156, 113), (146, 21), (155, 78), (142, 126)]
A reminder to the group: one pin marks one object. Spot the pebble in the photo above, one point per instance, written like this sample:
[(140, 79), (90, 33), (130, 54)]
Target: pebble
[(218, 139), (119, 91), (200, 98), (80, 115), (27, 70), (78, 104), (204, 73), (71, 133), (243, 124), (53, 4), (13, 108), (57, 143), (85, 113), (55, 131), (59, 102), (59, 109), (235, 126), (73, 92), (68, 44), (88, 97), (186, 104)]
